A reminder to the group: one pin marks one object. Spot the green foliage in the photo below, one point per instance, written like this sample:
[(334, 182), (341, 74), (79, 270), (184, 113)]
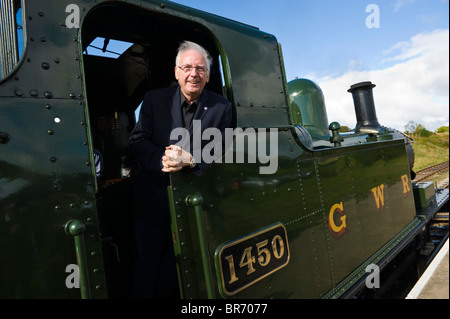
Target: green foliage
[(442, 129), (417, 130), (431, 150)]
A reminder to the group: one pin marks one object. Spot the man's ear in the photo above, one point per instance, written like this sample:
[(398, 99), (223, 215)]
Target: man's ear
[(176, 73)]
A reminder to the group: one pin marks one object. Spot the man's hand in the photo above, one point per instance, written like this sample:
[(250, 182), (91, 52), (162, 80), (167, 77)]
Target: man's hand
[(175, 158)]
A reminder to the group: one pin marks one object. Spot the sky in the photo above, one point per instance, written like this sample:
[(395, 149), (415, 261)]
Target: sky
[(402, 46)]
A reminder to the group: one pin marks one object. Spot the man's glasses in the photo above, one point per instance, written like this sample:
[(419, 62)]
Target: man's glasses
[(189, 68)]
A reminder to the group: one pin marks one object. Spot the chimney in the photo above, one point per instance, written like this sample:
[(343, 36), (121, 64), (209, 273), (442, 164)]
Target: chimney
[(366, 115)]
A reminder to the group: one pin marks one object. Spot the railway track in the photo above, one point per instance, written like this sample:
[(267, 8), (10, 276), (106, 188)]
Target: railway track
[(428, 173), (439, 225)]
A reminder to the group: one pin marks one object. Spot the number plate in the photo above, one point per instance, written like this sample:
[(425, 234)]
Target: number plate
[(244, 261)]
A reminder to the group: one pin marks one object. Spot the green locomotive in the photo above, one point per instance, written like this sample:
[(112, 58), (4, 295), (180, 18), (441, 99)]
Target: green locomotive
[(332, 206)]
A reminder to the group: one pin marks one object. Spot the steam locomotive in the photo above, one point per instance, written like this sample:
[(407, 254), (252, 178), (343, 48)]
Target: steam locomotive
[(338, 210)]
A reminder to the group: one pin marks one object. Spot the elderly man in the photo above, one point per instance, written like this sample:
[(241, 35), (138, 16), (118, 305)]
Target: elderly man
[(162, 111)]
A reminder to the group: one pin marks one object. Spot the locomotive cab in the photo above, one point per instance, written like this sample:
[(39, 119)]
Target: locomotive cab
[(115, 87)]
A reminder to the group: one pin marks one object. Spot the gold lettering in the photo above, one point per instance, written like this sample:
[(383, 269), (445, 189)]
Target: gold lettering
[(233, 277), (263, 260), (405, 183), (247, 255), (340, 208), (276, 253), (378, 195)]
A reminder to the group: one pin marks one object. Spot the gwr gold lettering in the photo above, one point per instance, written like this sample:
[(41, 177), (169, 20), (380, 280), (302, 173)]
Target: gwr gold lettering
[(405, 183), (378, 196), (339, 208)]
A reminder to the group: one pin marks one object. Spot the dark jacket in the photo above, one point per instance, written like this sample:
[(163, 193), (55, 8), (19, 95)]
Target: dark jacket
[(160, 114)]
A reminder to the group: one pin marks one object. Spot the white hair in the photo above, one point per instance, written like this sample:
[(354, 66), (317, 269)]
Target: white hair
[(188, 46)]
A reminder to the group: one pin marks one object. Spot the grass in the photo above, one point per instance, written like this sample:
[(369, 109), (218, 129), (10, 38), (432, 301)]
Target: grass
[(431, 150)]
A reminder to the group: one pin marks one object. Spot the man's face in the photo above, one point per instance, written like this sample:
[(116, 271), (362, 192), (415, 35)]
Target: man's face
[(193, 82)]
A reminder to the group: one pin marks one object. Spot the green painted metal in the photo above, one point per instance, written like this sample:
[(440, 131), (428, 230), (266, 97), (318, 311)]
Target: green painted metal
[(424, 194), (53, 110), (307, 107), (76, 229), (197, 201)]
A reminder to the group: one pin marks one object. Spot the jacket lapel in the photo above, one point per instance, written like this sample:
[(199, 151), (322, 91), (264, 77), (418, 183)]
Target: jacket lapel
[(175, 109)]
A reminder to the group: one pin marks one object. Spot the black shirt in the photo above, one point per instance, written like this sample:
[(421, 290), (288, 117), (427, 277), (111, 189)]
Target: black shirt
[(188, 110)]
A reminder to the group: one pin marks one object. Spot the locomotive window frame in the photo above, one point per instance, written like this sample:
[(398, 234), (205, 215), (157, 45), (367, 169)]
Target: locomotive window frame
[(16, 40)]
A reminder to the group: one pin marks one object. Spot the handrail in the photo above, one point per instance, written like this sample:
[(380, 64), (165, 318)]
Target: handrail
[(196, 201), (76, 229)]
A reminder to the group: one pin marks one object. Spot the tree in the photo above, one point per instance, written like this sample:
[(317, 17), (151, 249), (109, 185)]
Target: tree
[(421, 131), (442, 129), (417, 130), (410, 128)]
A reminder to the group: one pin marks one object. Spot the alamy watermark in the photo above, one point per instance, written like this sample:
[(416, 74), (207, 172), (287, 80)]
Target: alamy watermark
[(73, 279), (373, 19), (73, 19), (262, 145), (373, 278)]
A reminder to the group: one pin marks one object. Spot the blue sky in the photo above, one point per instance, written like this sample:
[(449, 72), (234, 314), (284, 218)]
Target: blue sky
[(328, 41)]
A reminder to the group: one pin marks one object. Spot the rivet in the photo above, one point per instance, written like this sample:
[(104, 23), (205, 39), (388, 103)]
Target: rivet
[(43, 39), (45, 65), (50, 132), (18, 92), (57, 60), (41, 14), (72, 95), (57, 207), (48, 106), (52, 159), (48, 94), (33, 92)]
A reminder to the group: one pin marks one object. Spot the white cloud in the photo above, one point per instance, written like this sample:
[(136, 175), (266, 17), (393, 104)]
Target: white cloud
[(400, 3), (414, 87)]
